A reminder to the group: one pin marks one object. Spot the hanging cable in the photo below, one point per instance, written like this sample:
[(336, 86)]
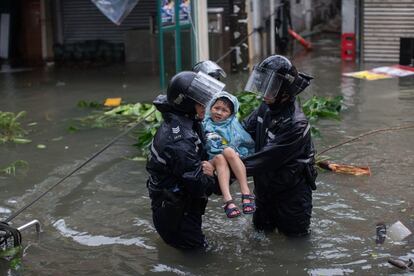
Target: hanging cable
[(21, 210), (365, 134), (15, 214)]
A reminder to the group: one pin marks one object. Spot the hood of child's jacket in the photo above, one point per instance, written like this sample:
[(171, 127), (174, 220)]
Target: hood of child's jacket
[(227, 95)]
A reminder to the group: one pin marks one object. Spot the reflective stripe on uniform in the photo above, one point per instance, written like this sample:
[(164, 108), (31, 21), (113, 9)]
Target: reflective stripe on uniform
[(157, 156), (306, 130)]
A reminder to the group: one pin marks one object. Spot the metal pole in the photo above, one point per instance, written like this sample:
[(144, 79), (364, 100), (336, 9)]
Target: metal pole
[(256, 25), (308, 15), (201, 18), (194, 30), (177, 36), (160, 45), (29, 224), (272, 28)]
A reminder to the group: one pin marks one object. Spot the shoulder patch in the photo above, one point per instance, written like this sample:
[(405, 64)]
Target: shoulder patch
[(175, 130), (176, 133)]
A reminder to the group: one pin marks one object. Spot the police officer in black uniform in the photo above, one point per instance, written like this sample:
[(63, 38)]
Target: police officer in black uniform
[(283, 165), (177, 186)]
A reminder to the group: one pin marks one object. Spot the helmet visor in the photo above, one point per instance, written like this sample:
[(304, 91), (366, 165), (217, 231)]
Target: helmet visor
[(264, 82), (210, 67), (203, 87)]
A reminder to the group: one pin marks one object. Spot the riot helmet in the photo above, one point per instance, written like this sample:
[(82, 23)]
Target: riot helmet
[(188, 88), (210, 68), (275, 77)]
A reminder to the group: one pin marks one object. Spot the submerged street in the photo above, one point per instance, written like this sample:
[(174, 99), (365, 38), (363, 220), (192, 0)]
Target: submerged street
[(98, 222)]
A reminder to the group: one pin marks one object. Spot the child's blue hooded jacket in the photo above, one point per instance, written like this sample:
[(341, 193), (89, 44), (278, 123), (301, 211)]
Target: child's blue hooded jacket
[(227, 133)]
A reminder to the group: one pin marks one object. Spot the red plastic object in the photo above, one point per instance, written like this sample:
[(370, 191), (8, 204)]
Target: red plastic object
[(301, 40), (348, 46)]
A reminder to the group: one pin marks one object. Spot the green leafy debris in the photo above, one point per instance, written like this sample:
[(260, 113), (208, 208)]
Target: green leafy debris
[(13, 256), (12, 168), (57, 139), (91, 104), (10, 128), (322, 107), (117, 117), (248, 102), (314, 108)]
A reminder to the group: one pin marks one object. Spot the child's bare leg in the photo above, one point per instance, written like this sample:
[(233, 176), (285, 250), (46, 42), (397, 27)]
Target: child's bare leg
[(223, 175), (238, 168)]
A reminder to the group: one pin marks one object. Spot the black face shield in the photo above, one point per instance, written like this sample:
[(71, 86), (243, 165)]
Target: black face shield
[(269, 84)]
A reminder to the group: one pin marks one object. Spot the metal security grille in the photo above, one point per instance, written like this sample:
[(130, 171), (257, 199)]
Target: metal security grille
[(83, 21), (384, 22)]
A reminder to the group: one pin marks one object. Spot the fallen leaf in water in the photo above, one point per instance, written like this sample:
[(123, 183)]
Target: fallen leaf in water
[(57, 138), (345, 169)]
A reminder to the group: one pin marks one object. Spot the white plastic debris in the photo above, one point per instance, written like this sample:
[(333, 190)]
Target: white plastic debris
[(398, 231)]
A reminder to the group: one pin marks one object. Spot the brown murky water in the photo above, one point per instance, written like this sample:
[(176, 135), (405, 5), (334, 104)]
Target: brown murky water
[(98, 222)]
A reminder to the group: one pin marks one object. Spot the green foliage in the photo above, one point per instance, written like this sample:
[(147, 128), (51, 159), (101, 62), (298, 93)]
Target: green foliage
[(314, 108), (10, 128), (322, 107), (124, 115), (117, 117), (91, 104), (10, 253), (147, 132), (13, 256), (11, 169), (248, 102)]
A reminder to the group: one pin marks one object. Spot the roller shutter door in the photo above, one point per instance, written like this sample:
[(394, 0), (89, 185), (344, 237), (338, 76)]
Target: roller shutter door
[(383, 23), (83, 21)]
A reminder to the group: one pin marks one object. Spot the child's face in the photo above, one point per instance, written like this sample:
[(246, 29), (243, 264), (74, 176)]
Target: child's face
[(220, 111)]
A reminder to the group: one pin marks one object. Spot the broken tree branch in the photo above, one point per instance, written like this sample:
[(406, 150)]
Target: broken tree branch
[(365, 134)]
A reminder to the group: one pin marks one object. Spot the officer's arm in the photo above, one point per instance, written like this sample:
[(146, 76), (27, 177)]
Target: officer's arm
[(186, 164), (284, 147), (250, 123)]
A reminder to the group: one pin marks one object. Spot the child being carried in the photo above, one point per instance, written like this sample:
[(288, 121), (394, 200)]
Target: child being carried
[(227, 142)]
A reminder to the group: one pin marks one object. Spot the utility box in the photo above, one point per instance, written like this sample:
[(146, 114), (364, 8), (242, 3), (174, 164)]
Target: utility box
[(407, 51), (348, 46)]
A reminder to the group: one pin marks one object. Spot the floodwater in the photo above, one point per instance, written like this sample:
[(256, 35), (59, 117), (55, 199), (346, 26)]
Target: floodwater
[(98, 222)]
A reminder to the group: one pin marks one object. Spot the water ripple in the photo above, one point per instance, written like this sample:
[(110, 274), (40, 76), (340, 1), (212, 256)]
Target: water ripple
[(330, 271), (4, 210), (90, 240), (166, 268)]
